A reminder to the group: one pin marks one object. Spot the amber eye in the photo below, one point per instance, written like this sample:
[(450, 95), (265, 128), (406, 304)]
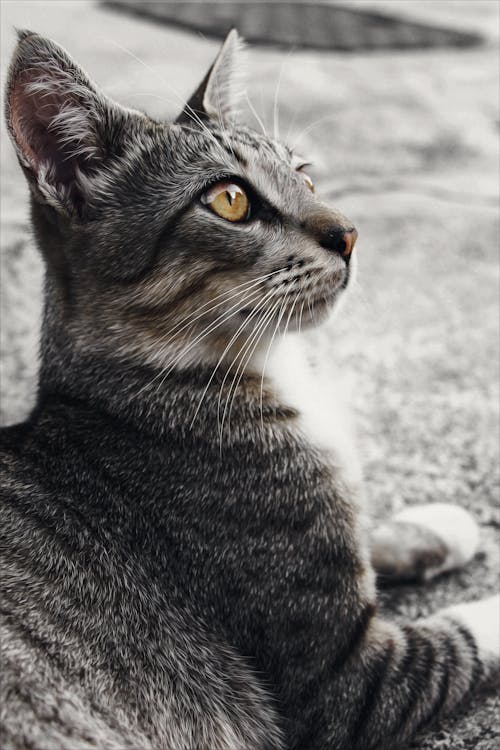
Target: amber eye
[(228, 201), (307, 180)]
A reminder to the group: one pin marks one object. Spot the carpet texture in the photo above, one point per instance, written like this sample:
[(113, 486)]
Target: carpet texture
[(304, 25), (406, 144)]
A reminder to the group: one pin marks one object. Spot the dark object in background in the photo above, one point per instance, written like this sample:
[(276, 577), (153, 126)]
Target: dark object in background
[(301, 25)]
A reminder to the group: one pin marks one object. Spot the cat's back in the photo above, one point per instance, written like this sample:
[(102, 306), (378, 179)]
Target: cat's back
[(95, 654), (41, 706)]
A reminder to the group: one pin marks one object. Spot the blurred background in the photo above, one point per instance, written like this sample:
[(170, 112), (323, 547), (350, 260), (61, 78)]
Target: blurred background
[(396, 103)]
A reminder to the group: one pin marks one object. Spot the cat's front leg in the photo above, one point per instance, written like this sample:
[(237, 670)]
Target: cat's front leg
[(404, 677), (423, 541)]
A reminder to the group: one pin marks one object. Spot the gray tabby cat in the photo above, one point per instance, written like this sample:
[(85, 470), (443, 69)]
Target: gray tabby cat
[(185, 562)]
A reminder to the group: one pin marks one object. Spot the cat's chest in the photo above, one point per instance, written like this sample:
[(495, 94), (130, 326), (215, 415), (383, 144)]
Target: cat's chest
[(324, 419)]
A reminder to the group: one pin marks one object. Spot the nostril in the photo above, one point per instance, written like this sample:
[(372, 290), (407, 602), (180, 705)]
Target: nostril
[(340, 241), (349, 238)]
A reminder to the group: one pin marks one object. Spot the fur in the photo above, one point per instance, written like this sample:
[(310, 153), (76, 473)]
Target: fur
[(186, 562)]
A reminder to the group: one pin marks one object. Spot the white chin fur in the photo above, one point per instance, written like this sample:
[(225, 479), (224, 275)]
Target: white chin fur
[(455, 526)]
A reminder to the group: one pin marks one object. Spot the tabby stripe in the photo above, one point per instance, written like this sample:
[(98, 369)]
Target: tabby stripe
[(421, 673), (419, 670), (51, 528), (378, 674), (143, 271), (314, 688), (357, 636), (60, 619), (419, 692), (406, 665), (478, 669), (444, 683), (30, 639)]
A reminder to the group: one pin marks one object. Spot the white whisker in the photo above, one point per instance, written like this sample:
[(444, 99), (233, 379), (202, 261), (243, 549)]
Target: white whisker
[(221, 358), (272, 292), (249, 347), (310, 127), (255, 114), (183, 324), (220, 320), (280, 315), (190, 111), (275, 102)]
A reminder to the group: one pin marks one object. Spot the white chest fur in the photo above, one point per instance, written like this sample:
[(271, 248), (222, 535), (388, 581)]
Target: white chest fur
[(313, 387)]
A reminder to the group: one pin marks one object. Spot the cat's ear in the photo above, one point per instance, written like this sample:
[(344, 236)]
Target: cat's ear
[(64, 130), (216, 96)]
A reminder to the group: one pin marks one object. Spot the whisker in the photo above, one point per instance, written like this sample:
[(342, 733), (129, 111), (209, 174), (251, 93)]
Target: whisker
[(220, 320), (190, 111), (292, 123), (282, 337), (221, 358), (254, 336), (187, 322), (222, 123), (234, 360), (250, 346), (300, 317), (255, 114), (280, 315), (195, 316), (310, 127), (289, 318), (276, 95)]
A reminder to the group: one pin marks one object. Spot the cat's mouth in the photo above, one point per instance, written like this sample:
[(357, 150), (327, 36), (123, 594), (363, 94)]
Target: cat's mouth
[(303, 303)]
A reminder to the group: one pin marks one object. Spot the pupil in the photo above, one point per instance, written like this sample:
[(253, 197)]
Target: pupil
[(229, 198)]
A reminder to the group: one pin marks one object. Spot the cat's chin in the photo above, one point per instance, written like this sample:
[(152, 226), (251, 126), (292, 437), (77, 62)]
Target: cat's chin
[(317, 313), (308, 314)]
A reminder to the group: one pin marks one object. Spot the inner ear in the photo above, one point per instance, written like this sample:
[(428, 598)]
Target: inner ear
[(216, 96), (45, 127), (65, 131)]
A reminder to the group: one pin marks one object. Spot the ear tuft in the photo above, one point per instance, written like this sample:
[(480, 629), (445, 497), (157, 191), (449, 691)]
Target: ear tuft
[(23, 34), (60, 124), (218, 94)]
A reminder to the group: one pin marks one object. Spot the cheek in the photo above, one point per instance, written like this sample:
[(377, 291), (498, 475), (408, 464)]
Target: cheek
[(205, 236), (290, 247)]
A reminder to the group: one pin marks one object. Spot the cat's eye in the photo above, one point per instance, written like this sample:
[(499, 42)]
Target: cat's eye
[(307, 180), (227, 200), (299, 165)]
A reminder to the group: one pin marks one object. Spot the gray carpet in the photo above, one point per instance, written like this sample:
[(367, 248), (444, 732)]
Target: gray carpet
[(406, 144), (302, 25)]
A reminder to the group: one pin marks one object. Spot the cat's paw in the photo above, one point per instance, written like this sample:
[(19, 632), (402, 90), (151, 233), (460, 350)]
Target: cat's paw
[(453, 525), (482, 620), (423, 541)]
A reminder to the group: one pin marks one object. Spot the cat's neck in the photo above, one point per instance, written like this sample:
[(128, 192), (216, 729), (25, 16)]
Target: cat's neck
[(280, 388), (184, 400)]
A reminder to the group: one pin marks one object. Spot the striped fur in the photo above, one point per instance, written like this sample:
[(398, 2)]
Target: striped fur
[(172, 579)]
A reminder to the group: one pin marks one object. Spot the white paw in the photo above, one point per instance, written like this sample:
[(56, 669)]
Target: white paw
[(482, 619), (455, 526)]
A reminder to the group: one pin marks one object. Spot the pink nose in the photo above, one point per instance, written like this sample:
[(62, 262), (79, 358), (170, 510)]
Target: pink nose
[(349, 238), (339, 240)]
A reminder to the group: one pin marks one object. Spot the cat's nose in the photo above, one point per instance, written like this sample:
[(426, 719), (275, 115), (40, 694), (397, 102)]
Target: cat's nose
[(339, 240)]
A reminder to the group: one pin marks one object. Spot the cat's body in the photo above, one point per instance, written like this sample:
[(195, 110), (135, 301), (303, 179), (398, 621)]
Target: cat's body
[(186, 561)]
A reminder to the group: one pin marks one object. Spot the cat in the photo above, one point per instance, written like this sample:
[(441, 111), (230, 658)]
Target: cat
[(186, 561)]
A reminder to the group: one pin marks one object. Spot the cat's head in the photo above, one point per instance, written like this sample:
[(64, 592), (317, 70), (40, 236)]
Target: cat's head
[(182, 238)]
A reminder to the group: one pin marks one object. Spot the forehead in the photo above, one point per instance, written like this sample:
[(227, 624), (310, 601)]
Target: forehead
[(231, 145), (252, 144), (266, 163)]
